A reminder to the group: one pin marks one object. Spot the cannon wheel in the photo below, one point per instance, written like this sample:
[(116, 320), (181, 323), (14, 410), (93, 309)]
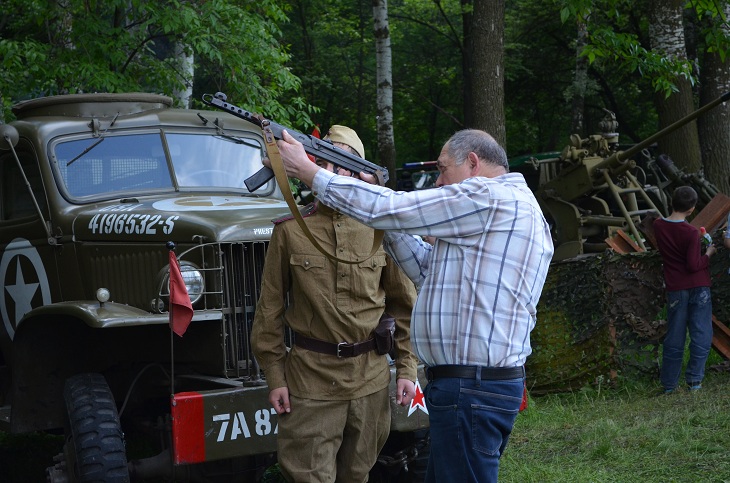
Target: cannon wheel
[(94, 450)]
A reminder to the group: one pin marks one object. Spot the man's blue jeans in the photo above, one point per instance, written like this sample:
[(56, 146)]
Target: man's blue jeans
[(687, 309), (470, 422)]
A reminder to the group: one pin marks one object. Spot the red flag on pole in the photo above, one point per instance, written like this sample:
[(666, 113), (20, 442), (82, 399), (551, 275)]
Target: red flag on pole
[(315, 133), (181, 309)]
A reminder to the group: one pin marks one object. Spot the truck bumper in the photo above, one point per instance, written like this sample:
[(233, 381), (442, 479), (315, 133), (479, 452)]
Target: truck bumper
[(234, 422), (222, 423)]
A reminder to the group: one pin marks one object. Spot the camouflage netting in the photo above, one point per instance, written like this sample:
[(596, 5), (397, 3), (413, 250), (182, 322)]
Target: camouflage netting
[(601, 316)]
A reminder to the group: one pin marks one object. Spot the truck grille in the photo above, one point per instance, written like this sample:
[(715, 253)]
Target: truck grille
[(232, 273)]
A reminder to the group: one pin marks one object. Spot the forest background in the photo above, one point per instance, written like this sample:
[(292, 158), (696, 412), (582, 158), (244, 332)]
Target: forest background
[(405, 74)]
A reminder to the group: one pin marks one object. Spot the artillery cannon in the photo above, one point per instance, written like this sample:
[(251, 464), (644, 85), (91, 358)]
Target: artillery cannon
[(590, 190), (667, 175)]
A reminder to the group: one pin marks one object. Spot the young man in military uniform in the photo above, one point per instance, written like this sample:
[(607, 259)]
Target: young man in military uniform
[(331, 389)]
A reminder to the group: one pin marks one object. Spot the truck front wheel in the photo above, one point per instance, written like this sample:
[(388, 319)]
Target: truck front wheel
[(94, 450)]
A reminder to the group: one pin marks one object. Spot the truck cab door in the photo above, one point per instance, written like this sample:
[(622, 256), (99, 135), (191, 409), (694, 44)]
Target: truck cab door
[(27, 259)]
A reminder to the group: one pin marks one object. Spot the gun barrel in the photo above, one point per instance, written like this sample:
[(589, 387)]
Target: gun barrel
[(623, 155)]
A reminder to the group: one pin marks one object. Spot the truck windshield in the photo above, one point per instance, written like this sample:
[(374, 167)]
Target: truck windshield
[(134, 164)]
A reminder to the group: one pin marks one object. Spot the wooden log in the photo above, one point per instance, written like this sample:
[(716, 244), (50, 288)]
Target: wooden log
[(712, 217), (721, 338), (623, 243), (713, 214)]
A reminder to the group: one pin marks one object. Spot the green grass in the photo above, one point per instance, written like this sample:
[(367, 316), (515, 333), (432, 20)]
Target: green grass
[(630, 433)]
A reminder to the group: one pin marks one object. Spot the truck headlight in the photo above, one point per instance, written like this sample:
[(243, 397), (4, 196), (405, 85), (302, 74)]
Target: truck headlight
[(194, 282), (193, 278)]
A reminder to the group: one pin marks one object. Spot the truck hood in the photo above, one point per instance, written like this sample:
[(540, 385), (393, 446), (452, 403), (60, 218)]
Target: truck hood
[(180, 218)]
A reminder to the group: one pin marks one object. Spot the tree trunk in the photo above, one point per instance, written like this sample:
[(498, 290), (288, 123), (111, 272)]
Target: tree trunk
[(186, 68), (384, 82), (667, 37), (486, 69), (467, 49), (714, 125), (580, 80), (60, 36)]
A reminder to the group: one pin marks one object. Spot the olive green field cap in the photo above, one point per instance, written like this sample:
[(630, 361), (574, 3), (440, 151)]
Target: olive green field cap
[(345, 135)]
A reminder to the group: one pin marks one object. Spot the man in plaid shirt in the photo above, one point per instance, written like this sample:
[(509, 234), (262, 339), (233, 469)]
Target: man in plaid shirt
[(479, 282)]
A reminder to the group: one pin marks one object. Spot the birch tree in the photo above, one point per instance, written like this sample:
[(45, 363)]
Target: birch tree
[(184, 58), (384, 82)]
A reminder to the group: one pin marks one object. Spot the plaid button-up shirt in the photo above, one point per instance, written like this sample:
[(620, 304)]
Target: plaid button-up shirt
[(481, 281)]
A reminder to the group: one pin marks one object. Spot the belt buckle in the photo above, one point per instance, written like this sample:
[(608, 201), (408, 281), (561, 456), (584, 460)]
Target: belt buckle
[(338, 348)]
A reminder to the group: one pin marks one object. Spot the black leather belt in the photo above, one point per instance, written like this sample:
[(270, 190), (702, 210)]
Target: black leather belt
[(342, 349), (470, 372)]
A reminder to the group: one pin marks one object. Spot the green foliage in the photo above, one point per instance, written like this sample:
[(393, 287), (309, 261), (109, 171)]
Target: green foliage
[(624, 50), (540, 57), (303, 62), (714, 26), (613, 42), (428, 44), (333, 53), (51, 48)]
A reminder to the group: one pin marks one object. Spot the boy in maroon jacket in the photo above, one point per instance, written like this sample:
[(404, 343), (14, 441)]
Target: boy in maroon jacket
[(687, 282)]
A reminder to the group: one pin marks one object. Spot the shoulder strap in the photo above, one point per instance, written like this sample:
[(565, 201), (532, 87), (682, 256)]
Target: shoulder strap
[(277, 165)]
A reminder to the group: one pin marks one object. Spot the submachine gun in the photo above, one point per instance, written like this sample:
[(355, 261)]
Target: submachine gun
[(590, 191), (318, 148)]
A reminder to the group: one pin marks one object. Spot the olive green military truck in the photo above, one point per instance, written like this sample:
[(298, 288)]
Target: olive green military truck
[(93, 188)]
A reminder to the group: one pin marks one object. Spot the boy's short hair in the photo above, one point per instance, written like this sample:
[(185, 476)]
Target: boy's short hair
[(684, 198)]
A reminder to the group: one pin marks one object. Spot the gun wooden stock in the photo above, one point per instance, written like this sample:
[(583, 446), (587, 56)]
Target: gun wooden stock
[(318, 148)]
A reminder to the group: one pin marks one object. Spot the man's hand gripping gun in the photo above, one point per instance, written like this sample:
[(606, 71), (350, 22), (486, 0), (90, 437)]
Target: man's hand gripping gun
[(319, 148)]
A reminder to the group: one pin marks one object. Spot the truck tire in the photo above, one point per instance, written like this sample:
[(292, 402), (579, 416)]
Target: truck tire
[(94, 449)]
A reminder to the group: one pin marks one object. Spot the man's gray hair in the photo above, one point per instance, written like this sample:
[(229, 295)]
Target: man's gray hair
[(479, 142)]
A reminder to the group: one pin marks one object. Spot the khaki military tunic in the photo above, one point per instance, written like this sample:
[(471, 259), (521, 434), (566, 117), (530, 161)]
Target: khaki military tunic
[(331, 301)]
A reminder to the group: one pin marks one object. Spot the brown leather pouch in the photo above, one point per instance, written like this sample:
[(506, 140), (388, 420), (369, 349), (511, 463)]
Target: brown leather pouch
[(383, 334)]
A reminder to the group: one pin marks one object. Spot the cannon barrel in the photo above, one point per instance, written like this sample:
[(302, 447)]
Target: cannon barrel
[(620, 156)]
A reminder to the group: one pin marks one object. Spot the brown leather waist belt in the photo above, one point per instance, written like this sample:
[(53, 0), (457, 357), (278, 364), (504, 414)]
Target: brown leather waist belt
[(343, 349), (470, 372)]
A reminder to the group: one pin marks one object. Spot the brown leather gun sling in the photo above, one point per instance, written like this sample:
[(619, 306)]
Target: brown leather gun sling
[(277, 166)]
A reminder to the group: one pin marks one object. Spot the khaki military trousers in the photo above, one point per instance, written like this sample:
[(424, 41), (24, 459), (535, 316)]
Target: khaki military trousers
[(333, 441)]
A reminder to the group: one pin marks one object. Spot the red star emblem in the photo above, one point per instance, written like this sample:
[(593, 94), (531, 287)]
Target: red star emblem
[(418, 402)]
